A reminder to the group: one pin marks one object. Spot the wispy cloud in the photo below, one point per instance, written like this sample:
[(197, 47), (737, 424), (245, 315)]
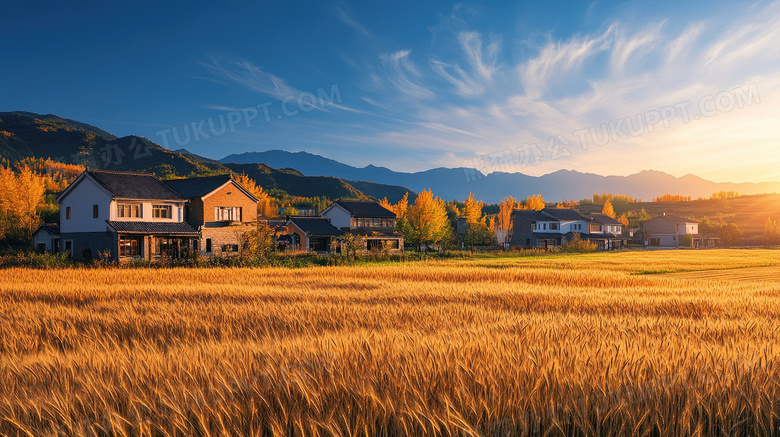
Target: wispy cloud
[(346, 17), (402, 73), (585, 80), (252, 77)]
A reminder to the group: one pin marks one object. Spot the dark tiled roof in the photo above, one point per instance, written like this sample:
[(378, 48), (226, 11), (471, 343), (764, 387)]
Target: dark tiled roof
[(157, 228), (365, 209), (370, 233), (675, 219), (604, 219), (532, 215), (199, 187), (51, 228), (125, 185), (315, 226), (548, 234), (564, 214)]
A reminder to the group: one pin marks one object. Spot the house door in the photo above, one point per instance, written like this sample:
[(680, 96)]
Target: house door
[(545, 244)]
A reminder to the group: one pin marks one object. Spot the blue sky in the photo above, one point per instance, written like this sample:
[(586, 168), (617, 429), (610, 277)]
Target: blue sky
[(601, 87)]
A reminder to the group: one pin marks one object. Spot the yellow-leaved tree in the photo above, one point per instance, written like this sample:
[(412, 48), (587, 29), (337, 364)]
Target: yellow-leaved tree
[(535, 202), (503, 221), (426, 221), (20, 195), (608, 210), (265, 205)]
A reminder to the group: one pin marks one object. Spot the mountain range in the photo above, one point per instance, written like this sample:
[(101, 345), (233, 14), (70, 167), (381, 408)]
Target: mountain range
[(457, 183), (29, 135)]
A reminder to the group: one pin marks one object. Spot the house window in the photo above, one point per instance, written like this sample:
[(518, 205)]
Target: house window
[(128, 210), (67, 213), (230, 247), (655, 242), (129, 246), (544, 226), (69, 247), (95, 211), (227, 213), (553, 226), (162, 211), (208, 245)]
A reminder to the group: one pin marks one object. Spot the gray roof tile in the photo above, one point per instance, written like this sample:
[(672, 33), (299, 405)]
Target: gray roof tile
[(156, 228), (126, 185)]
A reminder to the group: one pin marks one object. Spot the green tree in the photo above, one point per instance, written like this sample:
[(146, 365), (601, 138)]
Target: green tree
[(730, 234)]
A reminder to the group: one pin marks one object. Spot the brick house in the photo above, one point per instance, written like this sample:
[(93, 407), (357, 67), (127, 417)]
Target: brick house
[(123, 216), (220, 209), (369, 220), (311, 234)]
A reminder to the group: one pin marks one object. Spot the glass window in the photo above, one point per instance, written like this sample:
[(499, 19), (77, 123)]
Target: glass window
[(129, 246), (95, 211), (67, 213), (128, 210), (162, 211), (227, 213)]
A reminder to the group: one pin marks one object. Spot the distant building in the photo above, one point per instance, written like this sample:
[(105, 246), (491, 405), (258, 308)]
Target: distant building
[(366, 219), (670, 231), (310, 234), (553, 227), (47, 238)]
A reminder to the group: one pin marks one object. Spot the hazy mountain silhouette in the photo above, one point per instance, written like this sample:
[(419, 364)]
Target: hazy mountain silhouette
[(457, 183)]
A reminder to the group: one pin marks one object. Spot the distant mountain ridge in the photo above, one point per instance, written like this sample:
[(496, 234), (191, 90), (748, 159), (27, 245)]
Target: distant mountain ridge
[(29, 135), (457, 183)]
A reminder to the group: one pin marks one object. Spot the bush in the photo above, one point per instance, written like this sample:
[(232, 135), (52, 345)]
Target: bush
[(578, 245)]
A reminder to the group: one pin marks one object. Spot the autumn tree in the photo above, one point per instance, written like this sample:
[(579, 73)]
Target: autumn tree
[(608, 210), (472, 210), (21, 193), (772, 231), (535, 202), (477, 231), (503, 220), (265, 205), (427, 220)]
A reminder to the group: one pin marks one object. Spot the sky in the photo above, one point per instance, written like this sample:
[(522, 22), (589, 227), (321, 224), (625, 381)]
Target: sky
[(611, 88)]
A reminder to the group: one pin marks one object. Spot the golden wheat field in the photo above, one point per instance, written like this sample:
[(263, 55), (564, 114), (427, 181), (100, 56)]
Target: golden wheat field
[(597, 344)]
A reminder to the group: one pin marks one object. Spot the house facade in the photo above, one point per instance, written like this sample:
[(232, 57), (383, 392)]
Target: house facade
[(669, 231), (47, 238), (311, 234), (220, 209), (122, 216), (369, 220), (606, 232), (552, 227)]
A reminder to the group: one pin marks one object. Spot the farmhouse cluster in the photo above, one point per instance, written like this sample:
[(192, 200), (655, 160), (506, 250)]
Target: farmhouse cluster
[(124, 216)]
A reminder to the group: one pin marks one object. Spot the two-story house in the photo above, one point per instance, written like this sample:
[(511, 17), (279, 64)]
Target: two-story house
[(609, 228), (123, 215), (367, 219), (220, 209), (670, 231), (545, 229), (552, 227)]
